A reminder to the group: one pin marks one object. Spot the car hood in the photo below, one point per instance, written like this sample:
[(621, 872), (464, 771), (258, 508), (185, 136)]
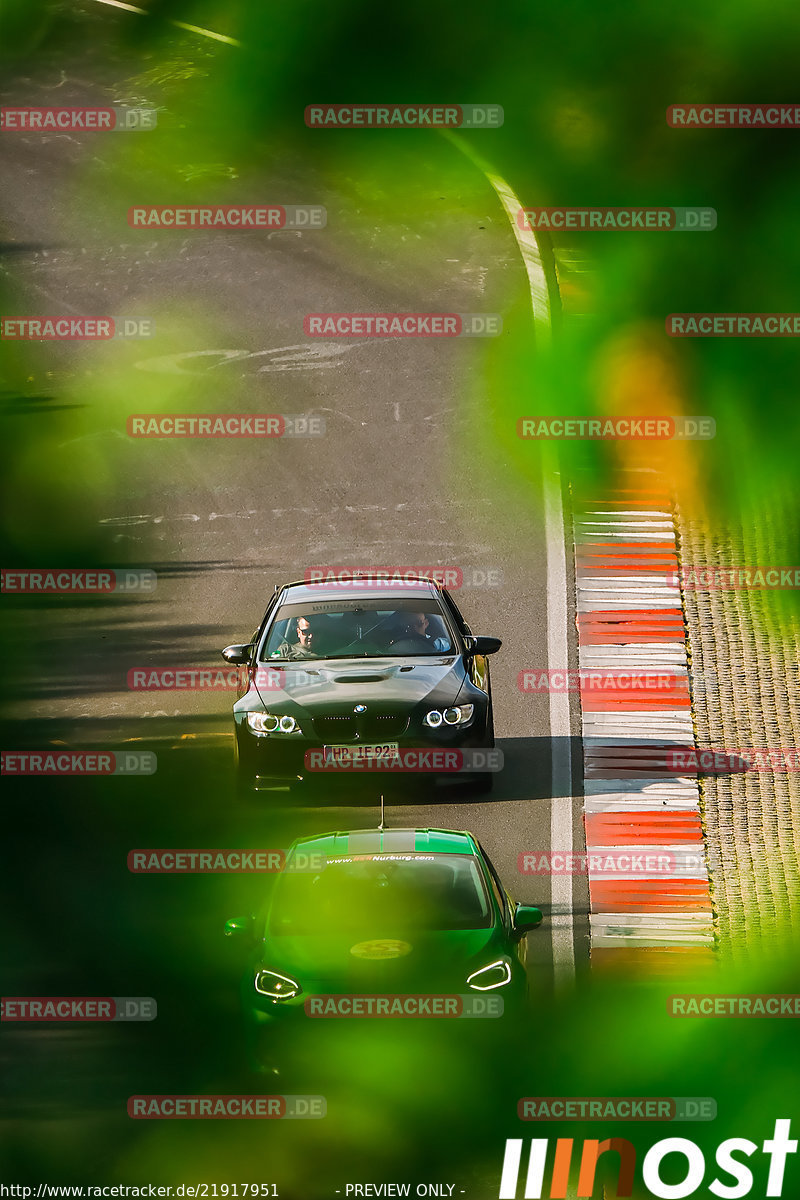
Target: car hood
[(340, 683), (360, 963)]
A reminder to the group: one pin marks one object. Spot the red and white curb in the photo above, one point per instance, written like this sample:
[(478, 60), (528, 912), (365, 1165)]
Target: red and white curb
[(629, 618)]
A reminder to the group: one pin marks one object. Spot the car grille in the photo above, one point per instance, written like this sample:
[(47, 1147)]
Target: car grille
[(368, 728), (380, 728)]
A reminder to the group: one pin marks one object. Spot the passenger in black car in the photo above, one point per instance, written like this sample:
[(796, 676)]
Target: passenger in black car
[(420, 633)]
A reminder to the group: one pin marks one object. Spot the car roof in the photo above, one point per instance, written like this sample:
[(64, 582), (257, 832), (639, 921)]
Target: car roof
[(388, 841), (366, 587)]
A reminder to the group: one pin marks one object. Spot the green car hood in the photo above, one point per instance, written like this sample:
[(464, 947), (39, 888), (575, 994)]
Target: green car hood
[(406, 961)]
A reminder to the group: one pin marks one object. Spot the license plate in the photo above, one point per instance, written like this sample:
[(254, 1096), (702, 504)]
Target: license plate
[(382, 752)]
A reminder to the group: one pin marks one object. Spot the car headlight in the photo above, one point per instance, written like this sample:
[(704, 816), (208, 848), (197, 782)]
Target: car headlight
[(269, 723), (276, 986), (459, 714), (496, 975)]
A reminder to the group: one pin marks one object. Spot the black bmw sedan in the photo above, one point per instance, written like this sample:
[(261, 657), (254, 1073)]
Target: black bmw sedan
[(373, 678)]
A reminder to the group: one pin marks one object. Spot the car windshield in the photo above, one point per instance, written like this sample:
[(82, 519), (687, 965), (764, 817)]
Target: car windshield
[(381, 895), (363, 628)]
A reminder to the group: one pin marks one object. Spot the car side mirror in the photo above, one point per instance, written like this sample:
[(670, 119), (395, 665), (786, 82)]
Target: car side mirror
[(238, 655), (526, 917), (241, 928), (483, 645)]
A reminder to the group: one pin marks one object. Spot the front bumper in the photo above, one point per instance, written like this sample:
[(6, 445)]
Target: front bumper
[(261, 1013), (281, 759)]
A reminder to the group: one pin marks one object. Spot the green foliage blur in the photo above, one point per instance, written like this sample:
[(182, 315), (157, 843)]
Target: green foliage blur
[(584, 88)]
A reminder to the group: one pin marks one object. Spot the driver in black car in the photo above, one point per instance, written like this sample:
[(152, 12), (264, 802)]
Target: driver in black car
[(304, 646)]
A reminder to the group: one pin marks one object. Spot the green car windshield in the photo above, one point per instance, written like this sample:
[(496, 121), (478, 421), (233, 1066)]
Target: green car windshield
[(381, 895), (364, 628)]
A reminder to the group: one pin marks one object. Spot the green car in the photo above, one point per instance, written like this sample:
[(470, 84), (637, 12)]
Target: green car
[(386, 912)]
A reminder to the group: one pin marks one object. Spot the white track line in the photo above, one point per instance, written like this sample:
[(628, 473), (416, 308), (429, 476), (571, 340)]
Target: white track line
[(561, 802), (198, 29), (561, 815)]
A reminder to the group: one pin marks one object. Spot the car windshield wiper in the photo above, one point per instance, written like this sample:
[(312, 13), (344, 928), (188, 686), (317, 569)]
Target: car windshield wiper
[(280, 663), (360, 654)]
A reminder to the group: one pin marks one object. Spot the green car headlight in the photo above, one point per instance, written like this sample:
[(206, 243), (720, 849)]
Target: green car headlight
[(459, 714), (268, 723), (496, 975), (276, 986)]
